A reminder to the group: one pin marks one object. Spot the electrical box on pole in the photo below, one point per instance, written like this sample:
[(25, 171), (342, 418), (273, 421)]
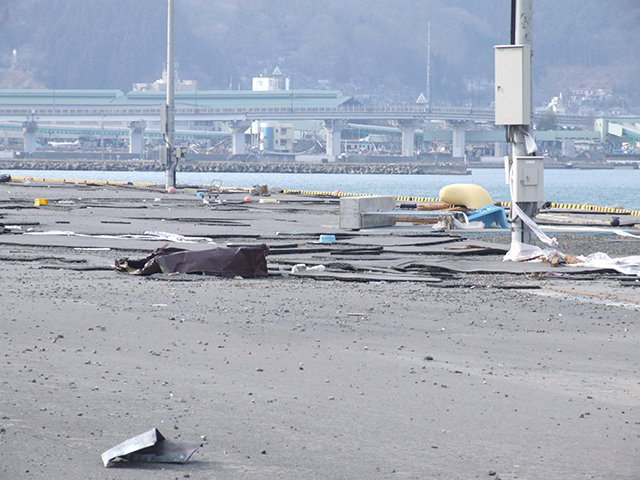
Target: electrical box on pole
[(528, 183), (180, 152), (165, 156), (513, 84)]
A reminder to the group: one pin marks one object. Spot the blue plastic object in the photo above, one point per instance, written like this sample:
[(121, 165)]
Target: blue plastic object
[(327, 238), (489, 214)]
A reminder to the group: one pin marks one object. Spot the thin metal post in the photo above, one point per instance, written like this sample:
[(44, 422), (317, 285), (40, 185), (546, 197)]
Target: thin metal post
[(170, 173), (291, 88), (429, 65), (102, 137)]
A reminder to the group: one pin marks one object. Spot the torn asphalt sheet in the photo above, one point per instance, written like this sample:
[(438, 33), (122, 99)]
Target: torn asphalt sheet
[(171, 237), (245, 261), (589, 230), (151, 447)]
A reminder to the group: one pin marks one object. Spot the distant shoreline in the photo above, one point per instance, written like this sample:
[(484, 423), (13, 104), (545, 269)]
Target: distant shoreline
[(199, 166), (239, 167)]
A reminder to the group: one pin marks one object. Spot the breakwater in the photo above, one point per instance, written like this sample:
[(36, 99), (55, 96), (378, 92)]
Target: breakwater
[(237, 167)]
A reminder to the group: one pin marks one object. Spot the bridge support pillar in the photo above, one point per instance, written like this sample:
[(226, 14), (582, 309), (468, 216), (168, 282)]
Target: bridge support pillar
[(459, 129), (136, 136), (408, 129), (29, 129), (237, 136), (334, 135), (569, 148), (501, 149)]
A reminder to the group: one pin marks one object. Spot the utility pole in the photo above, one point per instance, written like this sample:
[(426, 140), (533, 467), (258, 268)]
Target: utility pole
[(523, 35), (167, 113), (513, 101)]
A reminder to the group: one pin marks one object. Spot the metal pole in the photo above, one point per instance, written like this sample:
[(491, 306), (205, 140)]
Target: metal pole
[(291, 88), (170, 173), (102, 138), (429, 65), (523, 35)]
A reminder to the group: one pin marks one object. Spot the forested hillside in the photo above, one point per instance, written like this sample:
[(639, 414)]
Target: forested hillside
[(364, 47)]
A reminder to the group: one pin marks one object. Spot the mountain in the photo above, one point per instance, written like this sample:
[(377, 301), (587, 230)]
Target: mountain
[(373, 49)]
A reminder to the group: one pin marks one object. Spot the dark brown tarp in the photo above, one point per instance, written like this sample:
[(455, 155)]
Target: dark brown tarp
[(244, 261)]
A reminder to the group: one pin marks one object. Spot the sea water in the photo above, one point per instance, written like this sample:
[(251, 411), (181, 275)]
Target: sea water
[(597, 187)]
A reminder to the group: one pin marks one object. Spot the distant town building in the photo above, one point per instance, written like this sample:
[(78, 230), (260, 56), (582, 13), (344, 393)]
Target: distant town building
[(585, 94), (556, 105), (264, 84), (160, 85), (270, 84), (274, 136)]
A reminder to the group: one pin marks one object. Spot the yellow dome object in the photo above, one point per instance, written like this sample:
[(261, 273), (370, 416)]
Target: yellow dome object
[(469, 195)]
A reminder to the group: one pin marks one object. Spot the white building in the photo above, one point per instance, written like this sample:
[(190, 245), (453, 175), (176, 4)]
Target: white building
[(269, 84), (160, 85)]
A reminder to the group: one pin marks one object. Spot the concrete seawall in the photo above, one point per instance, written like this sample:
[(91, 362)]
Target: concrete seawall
[(237, 167)]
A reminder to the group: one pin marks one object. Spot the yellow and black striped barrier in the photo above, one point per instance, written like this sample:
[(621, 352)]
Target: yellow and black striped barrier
[(84, 182), (561, 206), (400, 198), (340, 194), (594, 208)]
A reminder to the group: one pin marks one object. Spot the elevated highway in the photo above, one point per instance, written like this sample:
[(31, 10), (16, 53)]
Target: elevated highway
[(70, 120), (151, 113)]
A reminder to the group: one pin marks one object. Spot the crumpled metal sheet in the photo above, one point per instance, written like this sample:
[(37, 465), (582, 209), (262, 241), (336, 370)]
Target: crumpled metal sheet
[(151, 447), (244, 261)]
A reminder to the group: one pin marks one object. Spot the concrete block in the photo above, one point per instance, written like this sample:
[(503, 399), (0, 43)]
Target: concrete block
[(352, 209)]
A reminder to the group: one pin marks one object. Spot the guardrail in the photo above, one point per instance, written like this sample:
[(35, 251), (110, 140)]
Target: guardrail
[(203, 111), (266, 113)]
